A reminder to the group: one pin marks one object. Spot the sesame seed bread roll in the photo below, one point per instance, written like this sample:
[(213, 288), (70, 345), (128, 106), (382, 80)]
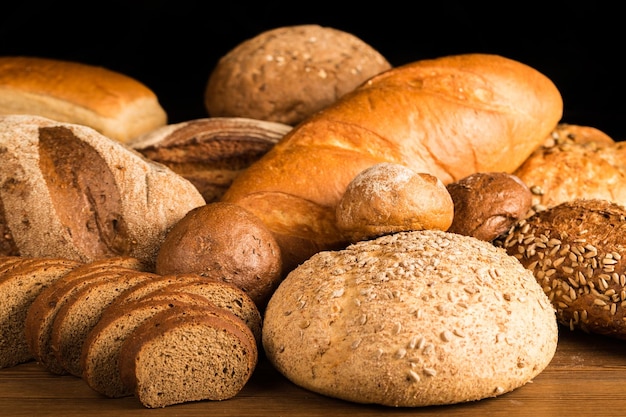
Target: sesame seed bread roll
[(112, 103), (576, 252), (411, 319), (448, 117)]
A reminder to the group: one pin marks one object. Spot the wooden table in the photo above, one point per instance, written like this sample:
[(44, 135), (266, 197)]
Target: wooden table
[(587, 377)]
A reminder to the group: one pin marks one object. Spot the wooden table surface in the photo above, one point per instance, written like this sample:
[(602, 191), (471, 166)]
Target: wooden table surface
[(586, 377)]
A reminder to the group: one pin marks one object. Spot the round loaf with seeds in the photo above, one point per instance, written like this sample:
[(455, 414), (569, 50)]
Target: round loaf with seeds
[(576, 252), (404, 319)]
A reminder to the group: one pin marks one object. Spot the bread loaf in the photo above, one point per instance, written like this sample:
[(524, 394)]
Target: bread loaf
[(210, 152), (448, 117), (188, 353), (575, 162), (112, 103), (576, 252), (287, 73), (69, 192), (411, 319)]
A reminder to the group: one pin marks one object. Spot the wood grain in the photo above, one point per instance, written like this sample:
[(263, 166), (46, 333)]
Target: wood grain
[(586, 377)]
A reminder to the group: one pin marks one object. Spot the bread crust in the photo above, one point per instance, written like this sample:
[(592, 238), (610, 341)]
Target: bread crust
[(112, 103), (448, 117), (70, 192), (404, 319), (288, 73)]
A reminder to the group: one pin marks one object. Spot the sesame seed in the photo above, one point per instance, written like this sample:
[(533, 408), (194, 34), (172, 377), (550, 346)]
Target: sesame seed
[(414, 376), (430, 371)]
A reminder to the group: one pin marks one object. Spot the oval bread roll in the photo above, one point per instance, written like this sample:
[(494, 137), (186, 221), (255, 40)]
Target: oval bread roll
[(411, 319)]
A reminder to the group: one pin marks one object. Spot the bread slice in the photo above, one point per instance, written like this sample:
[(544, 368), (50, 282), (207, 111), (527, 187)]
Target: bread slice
[(148, 287), (82, 311), (188, 354), (43, 310), (224, 295), (19, 286), (100, 351)]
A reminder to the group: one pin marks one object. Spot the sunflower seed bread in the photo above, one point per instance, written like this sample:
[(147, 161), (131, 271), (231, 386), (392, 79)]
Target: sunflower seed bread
[(403, 320), (576, 252)]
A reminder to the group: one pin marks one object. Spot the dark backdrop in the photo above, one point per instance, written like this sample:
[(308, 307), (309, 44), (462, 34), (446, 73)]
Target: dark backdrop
[(173, 45)]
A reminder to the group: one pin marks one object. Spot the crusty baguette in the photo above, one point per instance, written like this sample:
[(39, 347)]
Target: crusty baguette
[(112, 103), (449, 117), (70, 192)]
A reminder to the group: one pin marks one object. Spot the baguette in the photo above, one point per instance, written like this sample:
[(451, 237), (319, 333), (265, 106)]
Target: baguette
[(449, 117), (114, 104)]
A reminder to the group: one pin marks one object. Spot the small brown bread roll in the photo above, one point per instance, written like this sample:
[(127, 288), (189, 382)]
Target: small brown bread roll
[(225, 242), (288, 73), (112, 103), (487, 204), (575, 162), (575, 251), (388, 198), (411, 319)]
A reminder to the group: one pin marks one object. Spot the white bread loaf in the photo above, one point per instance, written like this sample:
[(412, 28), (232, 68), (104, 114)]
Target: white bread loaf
[(449, 117), (112, 103), (411, 319), (67, 191)]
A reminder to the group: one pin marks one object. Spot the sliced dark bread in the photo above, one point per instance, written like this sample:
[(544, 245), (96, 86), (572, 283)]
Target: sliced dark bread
[(19, 286), (188, 354), (100, 352), (43, 310), (224, 295), (82, 311)]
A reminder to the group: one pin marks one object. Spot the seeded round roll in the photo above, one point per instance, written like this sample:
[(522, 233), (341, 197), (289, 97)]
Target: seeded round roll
[(411, 319), (575, 250)]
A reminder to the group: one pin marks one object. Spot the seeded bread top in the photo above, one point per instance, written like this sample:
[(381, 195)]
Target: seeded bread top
[(403, 320)]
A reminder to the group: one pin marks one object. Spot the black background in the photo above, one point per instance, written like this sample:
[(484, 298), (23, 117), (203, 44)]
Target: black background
[(172, 46)]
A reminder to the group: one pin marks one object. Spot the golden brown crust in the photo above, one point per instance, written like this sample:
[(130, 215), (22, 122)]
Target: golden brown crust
[(487, 204), (388, 198), (288, 73), (449, 117), (575, 250), (117, 105), (575, 162)]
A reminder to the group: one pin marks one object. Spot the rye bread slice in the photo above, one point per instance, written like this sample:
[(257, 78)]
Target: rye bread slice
[(43, 310), (188, 354), (19, 286), (100, 352)]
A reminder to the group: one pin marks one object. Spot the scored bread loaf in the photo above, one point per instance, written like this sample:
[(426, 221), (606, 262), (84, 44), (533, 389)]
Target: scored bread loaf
[(188, 353), (449, 117), (69, 192), (112, 103), (19, 286), (411, 319), (100, 351)]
